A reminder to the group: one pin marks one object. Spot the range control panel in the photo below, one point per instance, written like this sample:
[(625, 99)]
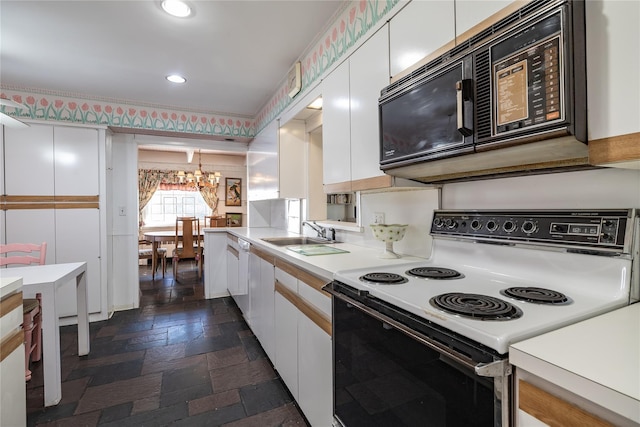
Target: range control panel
[(604, 230)]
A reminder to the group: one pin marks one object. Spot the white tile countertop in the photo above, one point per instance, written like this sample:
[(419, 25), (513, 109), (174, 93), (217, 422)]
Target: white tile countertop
[(598, 359), (320, 265)]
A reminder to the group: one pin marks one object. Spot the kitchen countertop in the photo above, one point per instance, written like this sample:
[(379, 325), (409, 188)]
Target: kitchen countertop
[(598, 359), (9, 285), (321, 265)]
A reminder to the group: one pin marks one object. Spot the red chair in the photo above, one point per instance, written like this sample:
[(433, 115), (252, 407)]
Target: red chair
[(23, 254)]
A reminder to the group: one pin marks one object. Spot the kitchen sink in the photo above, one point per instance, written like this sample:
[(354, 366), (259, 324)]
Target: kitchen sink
[(287, 241)]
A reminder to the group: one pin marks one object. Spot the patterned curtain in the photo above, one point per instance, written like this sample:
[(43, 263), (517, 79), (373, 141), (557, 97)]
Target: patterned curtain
[(170, 181), (210, 196), (148, 181)]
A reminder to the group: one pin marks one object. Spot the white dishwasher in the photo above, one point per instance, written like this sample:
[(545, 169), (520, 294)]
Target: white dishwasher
[(242, 295)]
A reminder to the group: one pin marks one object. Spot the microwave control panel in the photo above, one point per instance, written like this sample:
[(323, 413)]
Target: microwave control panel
[(527, 78)]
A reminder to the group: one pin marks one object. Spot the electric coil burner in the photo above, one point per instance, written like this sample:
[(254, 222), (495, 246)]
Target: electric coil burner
[(435, 273), (378, 278), (536, 295), (481, 307)]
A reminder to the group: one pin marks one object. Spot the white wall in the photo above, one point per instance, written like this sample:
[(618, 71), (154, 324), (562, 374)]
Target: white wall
[(599, 188), (587, 189), (412, 207), (267, 213), (125, 228)]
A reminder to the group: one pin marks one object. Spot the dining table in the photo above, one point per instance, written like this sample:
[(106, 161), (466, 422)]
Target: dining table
[(163, 236), (47, 280)]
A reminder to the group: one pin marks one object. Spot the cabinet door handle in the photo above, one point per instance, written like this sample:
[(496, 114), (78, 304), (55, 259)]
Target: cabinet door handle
[(464, 99)]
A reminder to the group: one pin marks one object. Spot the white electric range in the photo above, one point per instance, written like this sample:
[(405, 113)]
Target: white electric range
[(498, 277), (430, 340)]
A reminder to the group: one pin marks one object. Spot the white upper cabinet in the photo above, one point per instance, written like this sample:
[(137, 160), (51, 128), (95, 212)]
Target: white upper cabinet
[(470, 13), (262, 164), (276, 163), (293, 174), (613, 67), (418, 30), (336, 140), (75, 161), (55, 156), (30, 169), (369, 72)]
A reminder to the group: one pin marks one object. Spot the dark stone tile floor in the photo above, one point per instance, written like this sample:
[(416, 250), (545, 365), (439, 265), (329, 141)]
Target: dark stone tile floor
[(178, 360)]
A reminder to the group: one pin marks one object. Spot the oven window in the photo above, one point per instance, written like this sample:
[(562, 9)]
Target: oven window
[(384, 378)]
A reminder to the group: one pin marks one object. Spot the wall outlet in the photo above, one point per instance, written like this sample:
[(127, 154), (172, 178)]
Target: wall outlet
[(378, 218)]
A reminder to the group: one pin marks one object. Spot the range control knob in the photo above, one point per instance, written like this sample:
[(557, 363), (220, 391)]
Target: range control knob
[(509, 226), (492, 225), (437, 222), (476, 225), (607, 238), (450, 223), (529, 227)]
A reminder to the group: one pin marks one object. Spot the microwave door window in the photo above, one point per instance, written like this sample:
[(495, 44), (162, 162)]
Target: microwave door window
[(423, 120)]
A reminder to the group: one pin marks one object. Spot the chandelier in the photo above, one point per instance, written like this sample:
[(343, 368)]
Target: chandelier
[(198, 178)]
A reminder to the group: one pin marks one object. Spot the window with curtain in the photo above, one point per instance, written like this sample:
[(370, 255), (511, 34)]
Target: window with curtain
[(166, 205)]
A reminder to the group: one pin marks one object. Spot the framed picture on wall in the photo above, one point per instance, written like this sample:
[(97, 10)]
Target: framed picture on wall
[(233, 192), (234, 220)]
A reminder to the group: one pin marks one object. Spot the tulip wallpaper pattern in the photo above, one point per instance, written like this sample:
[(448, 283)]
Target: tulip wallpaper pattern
[(357, 18)]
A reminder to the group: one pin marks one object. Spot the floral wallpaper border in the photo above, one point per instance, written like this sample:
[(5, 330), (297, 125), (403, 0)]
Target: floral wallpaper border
[(357, 18), (350, 26), (85, 111)]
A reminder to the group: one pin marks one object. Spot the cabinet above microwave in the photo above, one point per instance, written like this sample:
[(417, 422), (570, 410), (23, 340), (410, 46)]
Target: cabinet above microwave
[(510, 99)]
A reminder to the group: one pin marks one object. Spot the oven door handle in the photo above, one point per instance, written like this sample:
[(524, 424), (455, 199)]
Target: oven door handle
[(499, 368), (429, 342)]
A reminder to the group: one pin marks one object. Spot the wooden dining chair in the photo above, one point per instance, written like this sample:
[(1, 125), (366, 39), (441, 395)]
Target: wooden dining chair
[(145, 251), (215, 221), (188, 243), (28, 254)]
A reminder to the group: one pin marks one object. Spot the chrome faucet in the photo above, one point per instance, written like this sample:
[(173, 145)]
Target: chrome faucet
[(322, 232)]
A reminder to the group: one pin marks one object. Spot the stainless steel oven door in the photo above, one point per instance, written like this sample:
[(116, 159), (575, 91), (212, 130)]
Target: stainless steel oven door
[(388, 373)]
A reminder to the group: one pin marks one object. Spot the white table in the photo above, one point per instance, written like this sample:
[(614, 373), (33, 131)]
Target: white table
[(47, 279)]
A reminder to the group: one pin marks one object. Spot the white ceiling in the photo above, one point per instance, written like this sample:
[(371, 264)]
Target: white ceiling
[(234, 54)]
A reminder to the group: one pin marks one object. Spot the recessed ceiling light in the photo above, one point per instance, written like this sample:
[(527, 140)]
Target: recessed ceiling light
[(174, 78), (176, 8)]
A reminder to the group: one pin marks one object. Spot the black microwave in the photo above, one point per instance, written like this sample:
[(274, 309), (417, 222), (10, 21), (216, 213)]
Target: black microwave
[(519, 81)]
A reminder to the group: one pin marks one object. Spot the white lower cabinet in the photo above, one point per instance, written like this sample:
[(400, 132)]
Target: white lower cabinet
[(13, 409), (304, 357), (261, 294), (315, 373), (286, 361), (291, 318), (215, 266)]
